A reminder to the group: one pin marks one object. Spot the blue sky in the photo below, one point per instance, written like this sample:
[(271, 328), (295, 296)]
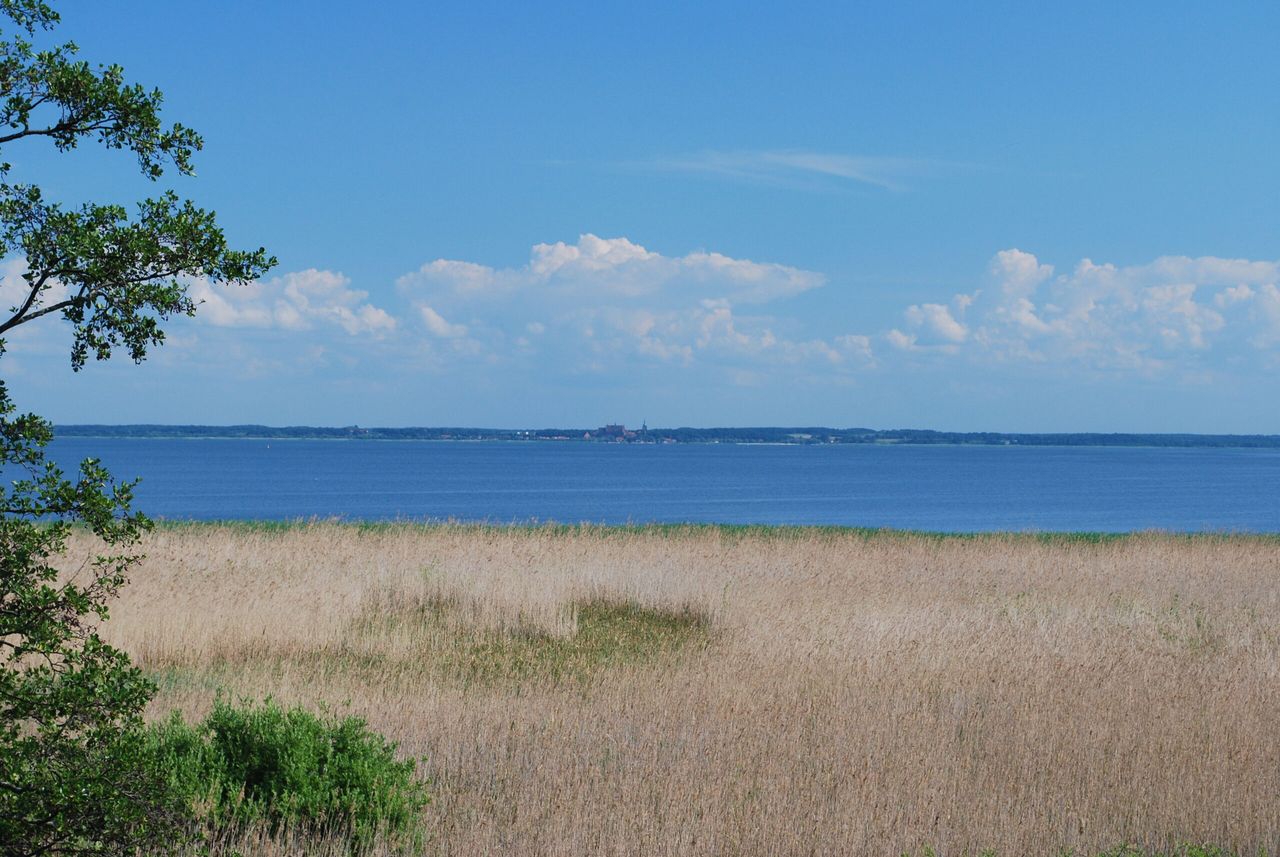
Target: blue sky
[(972, 217)]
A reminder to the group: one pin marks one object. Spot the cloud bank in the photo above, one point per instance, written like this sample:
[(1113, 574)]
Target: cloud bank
[(611, 307), (296, 301), (1174, 312), (600, 302)]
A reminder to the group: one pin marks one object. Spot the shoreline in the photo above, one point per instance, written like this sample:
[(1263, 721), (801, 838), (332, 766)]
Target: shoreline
[(671, 530), (682, 436)]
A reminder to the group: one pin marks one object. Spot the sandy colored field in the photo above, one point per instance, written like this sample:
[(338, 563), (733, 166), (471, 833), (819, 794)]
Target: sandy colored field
[(794, 692)]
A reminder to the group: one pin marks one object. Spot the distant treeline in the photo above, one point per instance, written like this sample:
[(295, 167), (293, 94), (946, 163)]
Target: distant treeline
[(767, 434)]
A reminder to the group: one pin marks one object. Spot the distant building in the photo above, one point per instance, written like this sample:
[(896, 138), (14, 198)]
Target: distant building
[(616, 432)]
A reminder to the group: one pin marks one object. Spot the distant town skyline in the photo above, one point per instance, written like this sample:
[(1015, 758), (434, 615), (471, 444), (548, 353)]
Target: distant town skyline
[(619, 433), (1014, 219)]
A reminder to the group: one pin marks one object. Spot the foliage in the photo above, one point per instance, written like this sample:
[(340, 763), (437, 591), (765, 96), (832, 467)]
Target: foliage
[(288, 768), (68, 701), (72, 775)]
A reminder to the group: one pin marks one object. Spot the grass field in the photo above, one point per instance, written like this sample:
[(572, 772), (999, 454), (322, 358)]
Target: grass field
[(746, 691)]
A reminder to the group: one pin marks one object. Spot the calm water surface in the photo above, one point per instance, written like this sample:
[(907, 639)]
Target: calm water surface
[(917, 487)]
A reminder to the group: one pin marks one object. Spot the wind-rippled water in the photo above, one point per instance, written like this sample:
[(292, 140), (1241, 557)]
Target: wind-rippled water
[(946, 488)]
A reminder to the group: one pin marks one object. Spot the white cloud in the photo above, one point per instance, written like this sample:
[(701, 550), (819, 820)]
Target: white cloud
[(1018, 273), (614, 299), (590, 255), (1264, 311), (900, 340), (606, 305), (296, 301), (437, 325), (1233, 295), (937, 320), (462, 277), (1102, 315), (855, 345), (613, 268)]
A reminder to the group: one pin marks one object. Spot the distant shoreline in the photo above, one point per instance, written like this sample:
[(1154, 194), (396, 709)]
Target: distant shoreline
[(788, 435)]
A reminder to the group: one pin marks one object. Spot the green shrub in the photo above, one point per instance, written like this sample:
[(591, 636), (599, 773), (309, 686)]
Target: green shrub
[(288, 769)]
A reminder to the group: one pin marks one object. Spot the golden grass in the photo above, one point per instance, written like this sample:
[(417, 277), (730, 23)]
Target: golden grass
[(708, 691)]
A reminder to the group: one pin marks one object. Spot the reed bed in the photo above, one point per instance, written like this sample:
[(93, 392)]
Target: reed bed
[(712, 690)]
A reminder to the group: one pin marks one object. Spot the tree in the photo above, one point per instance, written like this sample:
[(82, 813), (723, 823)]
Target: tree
[(72, 777)]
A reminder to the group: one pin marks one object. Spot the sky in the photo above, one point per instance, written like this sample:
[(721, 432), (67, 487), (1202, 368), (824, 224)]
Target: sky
[(986, 217)]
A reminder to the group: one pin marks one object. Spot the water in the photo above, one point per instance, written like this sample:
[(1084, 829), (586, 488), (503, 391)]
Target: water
[(945, 488)]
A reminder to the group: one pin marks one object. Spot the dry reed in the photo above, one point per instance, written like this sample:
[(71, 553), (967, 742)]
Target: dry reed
[(824, 693)]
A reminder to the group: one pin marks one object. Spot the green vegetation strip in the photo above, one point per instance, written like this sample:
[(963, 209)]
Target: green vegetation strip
[(726, 531), (609, 635)]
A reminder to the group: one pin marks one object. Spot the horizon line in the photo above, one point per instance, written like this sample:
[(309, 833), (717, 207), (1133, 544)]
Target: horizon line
[(758, 427)]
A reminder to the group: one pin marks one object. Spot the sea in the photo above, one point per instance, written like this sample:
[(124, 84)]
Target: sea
[(935, 488)]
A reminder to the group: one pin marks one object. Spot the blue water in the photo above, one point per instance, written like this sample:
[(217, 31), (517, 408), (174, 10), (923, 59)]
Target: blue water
[(918, 487)]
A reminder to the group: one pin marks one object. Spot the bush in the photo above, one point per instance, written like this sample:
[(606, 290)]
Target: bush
[(288, 769)]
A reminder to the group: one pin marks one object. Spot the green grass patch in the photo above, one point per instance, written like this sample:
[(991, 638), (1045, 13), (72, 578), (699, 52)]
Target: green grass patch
[(609, 635), (175, 679), (729, 532)]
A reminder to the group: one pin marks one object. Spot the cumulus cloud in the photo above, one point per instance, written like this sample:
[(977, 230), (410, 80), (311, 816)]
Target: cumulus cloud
[(296, 301), (437, 326), (938, 321), (610, 305), (1263, 307), (613, 268), (1103, 315), (1018, 273), (613, 298)]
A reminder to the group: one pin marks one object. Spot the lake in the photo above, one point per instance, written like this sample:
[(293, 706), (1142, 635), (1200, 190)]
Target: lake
[(944, 488)]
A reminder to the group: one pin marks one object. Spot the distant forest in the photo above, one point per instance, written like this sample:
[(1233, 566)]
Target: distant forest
[(619, 434)]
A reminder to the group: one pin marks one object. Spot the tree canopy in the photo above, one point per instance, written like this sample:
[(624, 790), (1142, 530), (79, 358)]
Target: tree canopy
[(72, 777), (113, 276)]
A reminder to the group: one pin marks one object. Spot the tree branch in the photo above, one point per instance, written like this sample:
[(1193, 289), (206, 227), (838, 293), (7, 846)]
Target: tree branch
[(26, 305), (42, 311), (67, 126)]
